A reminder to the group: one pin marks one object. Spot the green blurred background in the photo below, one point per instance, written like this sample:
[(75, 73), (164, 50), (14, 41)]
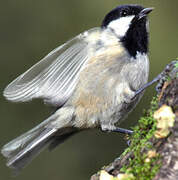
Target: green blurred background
[(28, 31)]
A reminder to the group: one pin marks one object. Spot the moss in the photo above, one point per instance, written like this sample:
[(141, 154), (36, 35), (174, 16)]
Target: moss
[(141, 168), (176, 64)]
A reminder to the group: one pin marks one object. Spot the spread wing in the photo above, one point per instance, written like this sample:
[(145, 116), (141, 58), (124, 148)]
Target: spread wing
[(55, 76)]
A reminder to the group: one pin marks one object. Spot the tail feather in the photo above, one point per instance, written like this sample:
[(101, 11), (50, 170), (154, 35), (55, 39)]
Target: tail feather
[(51, 132), (26, 155), (16, 145)]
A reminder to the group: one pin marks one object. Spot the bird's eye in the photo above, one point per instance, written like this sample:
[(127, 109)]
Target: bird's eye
[(124, 13)]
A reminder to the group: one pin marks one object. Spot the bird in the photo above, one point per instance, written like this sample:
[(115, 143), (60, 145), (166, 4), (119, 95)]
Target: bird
[(93, 81)]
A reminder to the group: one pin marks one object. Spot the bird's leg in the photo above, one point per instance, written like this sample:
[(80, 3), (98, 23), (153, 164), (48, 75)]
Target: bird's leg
[(116, 129), (122, 130), (157, 78)]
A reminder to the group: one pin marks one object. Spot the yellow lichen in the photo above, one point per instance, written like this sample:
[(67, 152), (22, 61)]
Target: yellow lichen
[(121, 176), (150, 154), (105, 176), (125, 176), (165, 119)]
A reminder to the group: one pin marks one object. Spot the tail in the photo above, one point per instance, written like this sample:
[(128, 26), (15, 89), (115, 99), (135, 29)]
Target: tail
[(20, 151)]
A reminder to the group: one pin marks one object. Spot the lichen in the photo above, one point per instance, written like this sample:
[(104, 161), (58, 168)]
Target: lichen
[(121, 176), (165, 120)]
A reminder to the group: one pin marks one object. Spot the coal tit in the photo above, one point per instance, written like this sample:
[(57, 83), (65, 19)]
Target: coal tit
[(92, 81)]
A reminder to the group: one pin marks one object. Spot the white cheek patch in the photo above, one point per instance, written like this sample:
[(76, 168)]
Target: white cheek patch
[(121, 25)]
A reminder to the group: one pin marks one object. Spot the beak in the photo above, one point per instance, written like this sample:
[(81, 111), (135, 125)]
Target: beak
[(145, 12)]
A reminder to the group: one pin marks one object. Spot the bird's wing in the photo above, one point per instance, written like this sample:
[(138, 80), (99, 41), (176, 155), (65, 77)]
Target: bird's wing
[(54, 77)]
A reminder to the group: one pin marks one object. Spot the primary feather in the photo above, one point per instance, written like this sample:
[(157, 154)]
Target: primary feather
[(55, 76)]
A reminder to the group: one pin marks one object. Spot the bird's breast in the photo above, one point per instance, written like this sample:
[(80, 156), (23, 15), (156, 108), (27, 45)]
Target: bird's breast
[(104, 83)]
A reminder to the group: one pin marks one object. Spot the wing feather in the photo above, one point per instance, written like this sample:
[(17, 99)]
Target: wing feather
[(55, 76)]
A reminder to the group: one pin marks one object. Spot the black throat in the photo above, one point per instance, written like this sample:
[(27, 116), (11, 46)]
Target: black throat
[(136, 38)]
